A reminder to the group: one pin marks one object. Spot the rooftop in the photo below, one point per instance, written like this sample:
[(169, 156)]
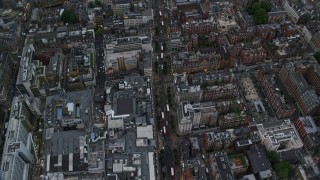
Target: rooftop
[(309, 124), (258, 158), (145, 132), (223, 165)]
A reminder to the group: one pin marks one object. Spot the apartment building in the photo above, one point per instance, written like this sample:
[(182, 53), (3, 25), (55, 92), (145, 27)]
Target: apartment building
[(280, 138), (196, 93), (220, 167), (225, 91), (253, 56), (200, 62), (296, 12), (232, 120), (305, 97), (236, 35), (278, 16), (281, 107), (121, 6), (200, 27), (197, 113), (266, 32), (308, 131), (313, 76), (218, 140), (315, 41)]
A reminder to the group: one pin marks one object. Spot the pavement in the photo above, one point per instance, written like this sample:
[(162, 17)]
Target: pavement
[(161, 85)]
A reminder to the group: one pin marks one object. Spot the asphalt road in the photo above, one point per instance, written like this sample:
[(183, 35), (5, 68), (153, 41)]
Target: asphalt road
[(159, 5)]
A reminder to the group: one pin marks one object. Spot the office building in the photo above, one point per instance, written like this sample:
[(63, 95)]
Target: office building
[(280, 138), (122, 61), (17, 157), (26, 71), (259, 162)]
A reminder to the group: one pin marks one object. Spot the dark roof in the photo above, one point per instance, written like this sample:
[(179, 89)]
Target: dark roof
[(258, 159), (77, 164), (112, 177), (124, 106), (122, 1), (223, 166)]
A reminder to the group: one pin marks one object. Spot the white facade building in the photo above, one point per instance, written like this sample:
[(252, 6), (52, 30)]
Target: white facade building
[(280, 138)]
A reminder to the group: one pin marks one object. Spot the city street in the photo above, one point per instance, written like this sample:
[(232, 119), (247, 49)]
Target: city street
[(160, 87)]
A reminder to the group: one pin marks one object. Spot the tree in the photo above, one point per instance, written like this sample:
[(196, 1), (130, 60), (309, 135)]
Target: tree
[(272, 156), (165, 67), (91, 4), (317, 56), (69, 16), (99, 31), (256, 6), (282, 169), (98, 3), (131, 7), (203, 41), (260, 16), (155, 66), (265, 5)]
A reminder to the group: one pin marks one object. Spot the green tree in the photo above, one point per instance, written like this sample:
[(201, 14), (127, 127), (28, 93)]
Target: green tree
[(260, 16), (165, 67), (98, 3), (91, 4), (99, 31), (272, 156), (69, 16), (265, 5), (155, 66), (282, 169), (317, 56), (256, 6), (203, 41)]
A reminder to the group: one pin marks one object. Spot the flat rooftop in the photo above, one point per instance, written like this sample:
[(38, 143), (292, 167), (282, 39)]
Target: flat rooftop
[(124, 106)]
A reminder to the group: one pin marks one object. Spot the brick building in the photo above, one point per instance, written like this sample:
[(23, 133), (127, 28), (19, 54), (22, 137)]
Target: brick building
[(305, 97), (253, 56), (231, 120), (203, 27), (236, 35), (308, 131), (277, 100)]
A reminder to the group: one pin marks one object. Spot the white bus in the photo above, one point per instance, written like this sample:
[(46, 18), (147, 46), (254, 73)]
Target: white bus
[(164, 130), (161, 47), (160, 13), (161, 55), (162, 23), (172, 171), (168, 108), (162, 115)]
